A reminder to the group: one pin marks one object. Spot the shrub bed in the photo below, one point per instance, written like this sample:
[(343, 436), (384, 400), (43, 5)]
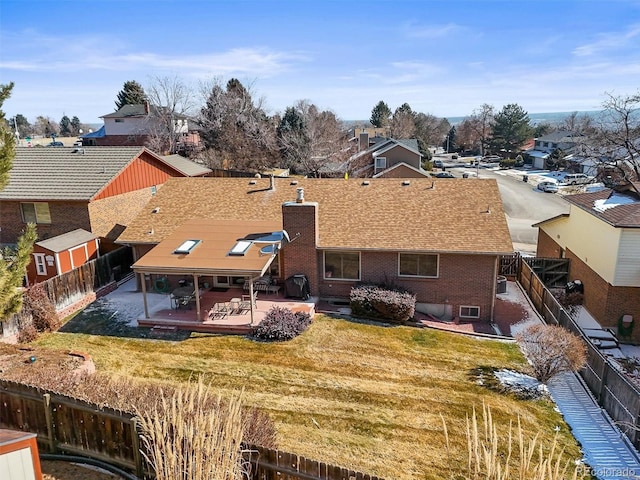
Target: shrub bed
[(281, 324), (386, 303)]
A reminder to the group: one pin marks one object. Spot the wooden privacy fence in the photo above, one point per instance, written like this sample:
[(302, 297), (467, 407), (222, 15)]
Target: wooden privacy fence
[(611, 388), (69, 426), (69, 288)]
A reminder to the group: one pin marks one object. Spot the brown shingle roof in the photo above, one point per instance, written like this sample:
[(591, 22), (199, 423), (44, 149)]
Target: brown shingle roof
[(431, 215), (622, 215)]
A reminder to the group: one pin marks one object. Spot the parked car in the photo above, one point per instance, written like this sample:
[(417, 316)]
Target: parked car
[(492, 158), (577, 179), (444, 175), (55, 144), (549, 187), (438, 163)]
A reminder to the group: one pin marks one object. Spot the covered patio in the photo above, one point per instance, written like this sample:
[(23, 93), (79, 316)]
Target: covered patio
[(191, 264)]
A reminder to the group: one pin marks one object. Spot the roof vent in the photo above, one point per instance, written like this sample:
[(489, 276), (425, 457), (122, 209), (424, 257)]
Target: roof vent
[(294, 182), (406, 182), (366, 182), (300, 198), (155, 210), (252, 182)]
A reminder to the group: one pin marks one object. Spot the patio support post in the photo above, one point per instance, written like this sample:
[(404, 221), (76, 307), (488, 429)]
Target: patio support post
[(251, 298), (196, 291), (143, 284)]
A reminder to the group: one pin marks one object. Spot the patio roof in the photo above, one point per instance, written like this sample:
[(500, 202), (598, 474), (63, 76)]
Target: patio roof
[(211, 252)]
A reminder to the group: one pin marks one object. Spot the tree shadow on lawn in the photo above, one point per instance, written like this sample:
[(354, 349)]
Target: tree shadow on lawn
[(99, 319)]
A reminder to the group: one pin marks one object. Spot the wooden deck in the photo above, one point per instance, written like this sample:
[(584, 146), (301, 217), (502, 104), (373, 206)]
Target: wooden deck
[(235, 323)]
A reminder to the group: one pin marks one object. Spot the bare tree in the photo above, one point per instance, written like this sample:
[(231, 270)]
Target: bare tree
[(578, 122), (236, 130), (615, 144), (552, 350), (171, 101), (402, 123), (482, 121), (311, 138)]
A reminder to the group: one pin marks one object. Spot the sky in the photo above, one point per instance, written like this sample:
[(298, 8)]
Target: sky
[(446, 58)]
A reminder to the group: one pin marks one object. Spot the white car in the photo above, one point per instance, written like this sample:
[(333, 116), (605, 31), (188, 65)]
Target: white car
[(577, 179), (549, 187)]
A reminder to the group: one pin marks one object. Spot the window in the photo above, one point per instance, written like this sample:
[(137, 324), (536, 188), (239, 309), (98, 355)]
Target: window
[(119, 120), (381, 163), (342, 265), (35, 212), (41, 268), (418, 265), (469, 312)]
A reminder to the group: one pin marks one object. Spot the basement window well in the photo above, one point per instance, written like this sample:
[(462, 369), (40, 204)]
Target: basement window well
[(186, 246)]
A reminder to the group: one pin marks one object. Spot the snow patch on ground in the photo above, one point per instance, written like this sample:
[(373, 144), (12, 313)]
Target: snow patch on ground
[(520, 384)]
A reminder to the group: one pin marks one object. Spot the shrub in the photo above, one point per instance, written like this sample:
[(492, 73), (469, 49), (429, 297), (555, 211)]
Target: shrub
[(281, 324), (552, 350), (41, 308), (27, 333), (386, 303)]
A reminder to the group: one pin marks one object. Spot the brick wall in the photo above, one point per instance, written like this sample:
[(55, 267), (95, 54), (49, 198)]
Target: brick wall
[(301, 256), (604, 301), (547, 246), (65, 216), (463, 280)]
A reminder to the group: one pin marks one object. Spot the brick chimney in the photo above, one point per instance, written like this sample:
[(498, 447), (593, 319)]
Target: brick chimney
[(300, 220)]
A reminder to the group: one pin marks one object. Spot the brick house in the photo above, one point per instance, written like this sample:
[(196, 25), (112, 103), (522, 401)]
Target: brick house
[(134, 124), (601, 236), (440, 239), (98, 189)]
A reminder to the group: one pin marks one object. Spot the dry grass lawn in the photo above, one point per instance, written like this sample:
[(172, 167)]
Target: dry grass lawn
[(356, 395)]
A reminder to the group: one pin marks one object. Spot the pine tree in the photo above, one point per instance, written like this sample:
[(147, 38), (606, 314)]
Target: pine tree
[(65, 126), (511, 129), (12, 263), (132, 93), (380, 115), (75, 126)]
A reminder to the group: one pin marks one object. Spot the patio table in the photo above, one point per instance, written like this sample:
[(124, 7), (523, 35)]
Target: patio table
[(182, 296)]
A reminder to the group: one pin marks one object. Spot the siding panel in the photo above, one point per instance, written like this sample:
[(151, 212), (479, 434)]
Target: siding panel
[(627, 272)]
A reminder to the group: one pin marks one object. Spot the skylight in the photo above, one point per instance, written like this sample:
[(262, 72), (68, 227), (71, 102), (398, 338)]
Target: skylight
[(186, 246), (240, 248)]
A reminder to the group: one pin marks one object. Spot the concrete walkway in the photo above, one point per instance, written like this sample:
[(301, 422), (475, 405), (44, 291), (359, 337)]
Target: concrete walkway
[(606, 450)]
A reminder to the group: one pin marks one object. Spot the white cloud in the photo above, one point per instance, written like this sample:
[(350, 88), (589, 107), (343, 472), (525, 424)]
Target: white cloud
[(609, 41)]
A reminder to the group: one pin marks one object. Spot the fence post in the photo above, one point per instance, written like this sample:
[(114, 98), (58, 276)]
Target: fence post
[(49, 419), (137, 455), (603, 383)]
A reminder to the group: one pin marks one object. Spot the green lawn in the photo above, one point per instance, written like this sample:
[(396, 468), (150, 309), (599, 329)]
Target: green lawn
[(357, 395)]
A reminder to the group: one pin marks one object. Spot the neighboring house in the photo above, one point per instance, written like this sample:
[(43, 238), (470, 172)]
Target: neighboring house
[(601, 237), (135, 124), (440, 239), (61, 254), (402, 170), (382, 155), (98, 189), (545, 145)]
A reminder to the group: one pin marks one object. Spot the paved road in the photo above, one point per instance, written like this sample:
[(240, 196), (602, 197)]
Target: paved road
[(523, 203)]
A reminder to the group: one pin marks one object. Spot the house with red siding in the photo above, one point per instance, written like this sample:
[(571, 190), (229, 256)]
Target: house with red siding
[(97, 189), (61, 254), (440, 239)]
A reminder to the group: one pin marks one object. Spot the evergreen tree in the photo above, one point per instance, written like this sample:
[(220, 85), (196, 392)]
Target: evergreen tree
[(380, 115), (449, 143), (12, 263), (511, 129), (132, 93), (75, 126), (65, 126)]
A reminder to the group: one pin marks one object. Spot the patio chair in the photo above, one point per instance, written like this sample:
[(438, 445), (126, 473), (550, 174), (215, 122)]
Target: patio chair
[(247, 300), (218, 311)]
